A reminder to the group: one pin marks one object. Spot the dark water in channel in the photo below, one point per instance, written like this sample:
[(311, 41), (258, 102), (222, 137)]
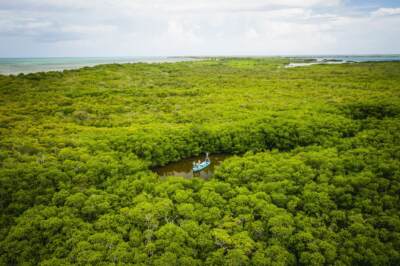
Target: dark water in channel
[(184, 167)]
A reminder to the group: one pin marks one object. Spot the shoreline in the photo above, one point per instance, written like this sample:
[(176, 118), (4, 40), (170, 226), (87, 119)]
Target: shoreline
[(25, 66)]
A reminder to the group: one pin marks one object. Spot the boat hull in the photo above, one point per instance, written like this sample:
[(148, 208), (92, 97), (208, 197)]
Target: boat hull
[(201, 166)]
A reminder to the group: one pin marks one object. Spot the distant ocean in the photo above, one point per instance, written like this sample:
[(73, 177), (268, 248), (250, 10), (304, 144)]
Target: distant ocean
[(31, 65), (339, 59), (353, 58)]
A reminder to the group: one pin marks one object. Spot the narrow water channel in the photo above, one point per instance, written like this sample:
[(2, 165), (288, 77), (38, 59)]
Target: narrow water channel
[(184, 167)]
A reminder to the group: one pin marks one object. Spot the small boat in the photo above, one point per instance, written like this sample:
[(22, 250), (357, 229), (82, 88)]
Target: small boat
[(197, 167)]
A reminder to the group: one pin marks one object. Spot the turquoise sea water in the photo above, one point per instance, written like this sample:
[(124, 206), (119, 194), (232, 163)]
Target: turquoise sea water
[(31, 65)]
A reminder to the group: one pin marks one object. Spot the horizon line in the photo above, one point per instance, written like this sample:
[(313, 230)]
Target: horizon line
[(203, 56)]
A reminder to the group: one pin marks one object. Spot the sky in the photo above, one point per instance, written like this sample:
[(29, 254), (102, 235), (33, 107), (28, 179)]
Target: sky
[(74, 28)]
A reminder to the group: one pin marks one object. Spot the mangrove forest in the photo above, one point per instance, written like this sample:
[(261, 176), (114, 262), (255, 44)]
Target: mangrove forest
[(311, 175)]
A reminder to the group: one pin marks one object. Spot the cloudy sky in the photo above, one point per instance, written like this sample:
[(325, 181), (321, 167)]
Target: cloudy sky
[(37, 28)]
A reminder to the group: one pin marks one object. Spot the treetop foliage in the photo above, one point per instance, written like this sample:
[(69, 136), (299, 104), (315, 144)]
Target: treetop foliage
[(314, 177)]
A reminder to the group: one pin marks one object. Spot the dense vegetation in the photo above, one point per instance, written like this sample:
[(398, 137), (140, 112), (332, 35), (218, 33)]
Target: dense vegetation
[(316, 180)]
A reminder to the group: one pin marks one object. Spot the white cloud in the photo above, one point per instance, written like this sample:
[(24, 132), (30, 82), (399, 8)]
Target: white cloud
[(91, 29), (386, 12), (171, 5), (220, 5), (193, 27)]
